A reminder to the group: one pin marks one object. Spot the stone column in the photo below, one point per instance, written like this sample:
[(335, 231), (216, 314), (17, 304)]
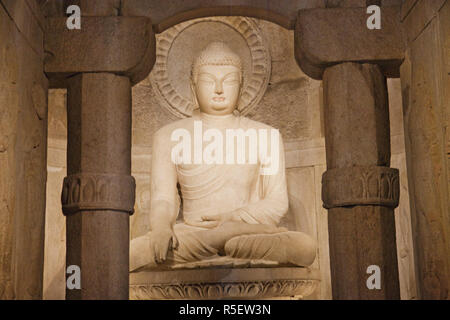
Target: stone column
[(98, 193), (359, 189)]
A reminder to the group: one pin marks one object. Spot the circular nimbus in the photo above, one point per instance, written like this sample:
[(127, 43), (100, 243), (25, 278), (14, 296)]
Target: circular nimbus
[(178, 46)]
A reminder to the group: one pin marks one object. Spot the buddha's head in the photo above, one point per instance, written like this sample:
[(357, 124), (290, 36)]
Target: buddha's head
[(216, 79)]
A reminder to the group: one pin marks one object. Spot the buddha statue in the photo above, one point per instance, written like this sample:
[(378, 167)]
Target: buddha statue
[(233, 195)]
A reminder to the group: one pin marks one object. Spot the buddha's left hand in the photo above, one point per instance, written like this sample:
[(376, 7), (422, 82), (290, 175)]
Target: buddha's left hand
[(221, 218)]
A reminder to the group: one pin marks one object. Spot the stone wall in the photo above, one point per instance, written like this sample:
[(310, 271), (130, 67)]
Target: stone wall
[(405, 252), (55, 224), (426, 92), (292, 102), (23, 149)]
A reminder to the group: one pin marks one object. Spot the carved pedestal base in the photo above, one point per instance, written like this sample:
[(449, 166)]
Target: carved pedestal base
[(223, 283)]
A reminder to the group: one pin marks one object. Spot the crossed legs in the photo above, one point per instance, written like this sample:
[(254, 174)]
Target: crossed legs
[(235, 239)]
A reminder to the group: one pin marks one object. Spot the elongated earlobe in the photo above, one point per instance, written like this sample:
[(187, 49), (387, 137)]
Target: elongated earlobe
[(194, 96)]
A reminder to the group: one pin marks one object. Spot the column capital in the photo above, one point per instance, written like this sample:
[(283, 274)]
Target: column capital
[(121, 45), (362, 185), (94, 191), (329, 36)]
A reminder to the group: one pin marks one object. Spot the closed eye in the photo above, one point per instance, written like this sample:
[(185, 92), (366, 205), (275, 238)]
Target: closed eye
[(206, 78), (231, 81), (207, 81), (231, 78)]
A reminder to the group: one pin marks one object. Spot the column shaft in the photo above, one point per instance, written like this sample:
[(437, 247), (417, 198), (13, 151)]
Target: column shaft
[(360, 191), (98, 193)]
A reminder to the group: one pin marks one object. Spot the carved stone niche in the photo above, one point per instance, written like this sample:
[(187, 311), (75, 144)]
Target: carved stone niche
[(223, 278), (224, 283)]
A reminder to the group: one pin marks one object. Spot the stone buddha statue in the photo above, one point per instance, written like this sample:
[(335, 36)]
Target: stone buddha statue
[(232, 184)]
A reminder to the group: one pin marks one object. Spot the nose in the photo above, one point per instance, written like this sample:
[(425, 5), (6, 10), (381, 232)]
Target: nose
[(218, 87)]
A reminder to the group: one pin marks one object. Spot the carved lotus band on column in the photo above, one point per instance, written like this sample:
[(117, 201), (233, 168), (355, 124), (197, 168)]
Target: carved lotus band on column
[(353, 186), (89, 191)]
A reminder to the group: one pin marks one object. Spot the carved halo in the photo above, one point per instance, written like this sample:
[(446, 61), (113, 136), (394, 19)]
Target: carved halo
[(257, 77)]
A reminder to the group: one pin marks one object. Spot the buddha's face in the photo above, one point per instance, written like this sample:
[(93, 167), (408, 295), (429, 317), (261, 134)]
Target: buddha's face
[(217, 89)]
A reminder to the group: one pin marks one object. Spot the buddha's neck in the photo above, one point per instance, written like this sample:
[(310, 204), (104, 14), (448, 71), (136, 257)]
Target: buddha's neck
[(218, 120)]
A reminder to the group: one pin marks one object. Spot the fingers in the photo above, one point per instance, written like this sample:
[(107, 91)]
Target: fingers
[(160, 249), (210, 224), (155, 253), (204, 224), (164, 248), (175, 242), (213, 217), (215, 220)]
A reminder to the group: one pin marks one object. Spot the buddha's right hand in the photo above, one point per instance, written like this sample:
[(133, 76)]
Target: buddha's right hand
[(161, 241)]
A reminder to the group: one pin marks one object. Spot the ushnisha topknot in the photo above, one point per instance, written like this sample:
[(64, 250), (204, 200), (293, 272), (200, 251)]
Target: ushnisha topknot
[(217, 54)]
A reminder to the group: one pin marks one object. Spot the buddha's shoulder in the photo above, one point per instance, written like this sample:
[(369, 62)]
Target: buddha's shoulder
[(168, 129), (249, 123)]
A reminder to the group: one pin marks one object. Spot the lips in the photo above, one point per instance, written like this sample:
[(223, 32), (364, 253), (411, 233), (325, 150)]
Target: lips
[(218, 99)]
